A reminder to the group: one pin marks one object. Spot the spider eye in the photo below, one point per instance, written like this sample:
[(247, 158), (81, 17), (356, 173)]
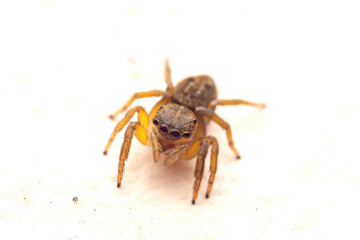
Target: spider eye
[(155, 121), (162, 106), (186, 134), (163, 129), (175, 134), (194, 120)]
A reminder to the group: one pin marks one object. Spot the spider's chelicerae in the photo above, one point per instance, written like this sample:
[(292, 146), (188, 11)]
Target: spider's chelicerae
[(175, 128)]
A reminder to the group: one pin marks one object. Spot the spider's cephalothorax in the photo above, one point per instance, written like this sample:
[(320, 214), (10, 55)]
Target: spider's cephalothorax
[(175, 128), (174, 121)]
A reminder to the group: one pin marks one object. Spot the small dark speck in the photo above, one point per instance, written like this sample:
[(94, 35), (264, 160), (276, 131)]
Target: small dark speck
[(75, 200)]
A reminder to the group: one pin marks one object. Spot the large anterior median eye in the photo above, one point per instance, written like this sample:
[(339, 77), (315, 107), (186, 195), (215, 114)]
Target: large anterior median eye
[(174, 134), (186, 134), (163, 129)]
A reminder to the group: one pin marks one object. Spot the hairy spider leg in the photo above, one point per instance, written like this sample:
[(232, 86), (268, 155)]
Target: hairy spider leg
[(233, 102), (140, 131), (222, 123), (213, 163), (167, 69), (152, 93), (125, 148), (200, 163)]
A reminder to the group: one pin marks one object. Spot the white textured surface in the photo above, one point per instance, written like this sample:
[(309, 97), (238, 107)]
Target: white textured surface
[(64, 67)]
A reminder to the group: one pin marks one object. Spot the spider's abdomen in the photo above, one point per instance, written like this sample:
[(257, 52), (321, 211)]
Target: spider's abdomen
[(195, 91)]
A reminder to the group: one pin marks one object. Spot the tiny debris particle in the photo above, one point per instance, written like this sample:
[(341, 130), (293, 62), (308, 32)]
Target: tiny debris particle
[(75, 199)]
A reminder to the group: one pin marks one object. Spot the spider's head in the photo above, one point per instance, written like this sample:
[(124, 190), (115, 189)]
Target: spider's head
[(175, 122)]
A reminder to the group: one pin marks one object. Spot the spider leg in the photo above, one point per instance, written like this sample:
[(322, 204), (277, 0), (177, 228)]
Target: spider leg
[(129, 133), (199, 169), (233, 102), (167, 69), (213, 116), (200, 163), (139, 133), (213, 163), (152, 93)]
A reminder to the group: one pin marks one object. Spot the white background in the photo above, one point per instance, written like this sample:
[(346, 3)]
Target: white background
[(65, 65)]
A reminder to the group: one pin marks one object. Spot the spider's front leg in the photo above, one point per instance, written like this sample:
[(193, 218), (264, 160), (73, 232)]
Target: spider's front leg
[(200, 163), (140, 134), (138, 128), (129, 133)]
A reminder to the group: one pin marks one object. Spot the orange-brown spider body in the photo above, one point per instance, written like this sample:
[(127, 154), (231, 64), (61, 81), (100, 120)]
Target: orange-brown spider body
[(175, 128)]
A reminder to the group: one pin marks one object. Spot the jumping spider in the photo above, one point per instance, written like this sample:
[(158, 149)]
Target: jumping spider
[(176, 126)]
